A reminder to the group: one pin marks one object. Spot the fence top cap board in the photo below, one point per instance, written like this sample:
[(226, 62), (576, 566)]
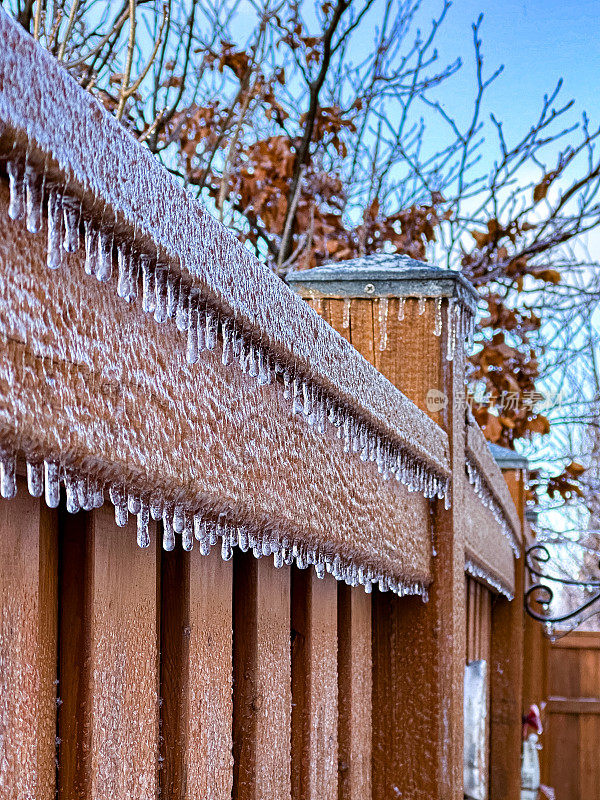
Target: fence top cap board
[(69, 136), (507, 458), (485, 475), (385, 274)]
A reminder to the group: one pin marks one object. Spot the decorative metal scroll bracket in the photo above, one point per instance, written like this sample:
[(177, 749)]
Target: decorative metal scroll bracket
[(556, 598)]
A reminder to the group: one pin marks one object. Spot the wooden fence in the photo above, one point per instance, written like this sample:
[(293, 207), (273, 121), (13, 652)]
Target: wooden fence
[(570, 758), (127, 673), (132, 673)]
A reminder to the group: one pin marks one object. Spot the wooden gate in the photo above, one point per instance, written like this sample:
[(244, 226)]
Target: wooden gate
[(571, 754)]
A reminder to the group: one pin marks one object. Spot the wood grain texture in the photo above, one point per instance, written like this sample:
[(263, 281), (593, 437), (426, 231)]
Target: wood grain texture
[(109, 676), (354, 693), (262, 679), (506, 670), (112, 387), (314, 687), (28, 646), (572, 731), (196, 676)]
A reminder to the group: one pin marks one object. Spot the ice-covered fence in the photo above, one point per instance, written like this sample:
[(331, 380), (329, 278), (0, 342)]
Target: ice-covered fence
[(149, 360), (65, 151)]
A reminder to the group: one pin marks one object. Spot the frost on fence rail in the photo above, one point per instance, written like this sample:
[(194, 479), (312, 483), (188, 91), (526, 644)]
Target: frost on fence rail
[(483, 491), (146, 237), (485, 576), (83, 493)]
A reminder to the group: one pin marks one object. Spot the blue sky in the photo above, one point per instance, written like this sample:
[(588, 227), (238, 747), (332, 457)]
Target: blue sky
[(538, 42)]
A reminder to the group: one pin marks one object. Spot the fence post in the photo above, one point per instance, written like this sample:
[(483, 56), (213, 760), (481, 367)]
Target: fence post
[(506, 671), (409, 320)]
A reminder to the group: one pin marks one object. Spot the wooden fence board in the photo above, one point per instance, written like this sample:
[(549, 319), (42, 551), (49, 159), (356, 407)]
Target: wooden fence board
[(196, 675), (28, 598), (262, 688), (314, 687), (354, 693), (570, 755), (111, 683)]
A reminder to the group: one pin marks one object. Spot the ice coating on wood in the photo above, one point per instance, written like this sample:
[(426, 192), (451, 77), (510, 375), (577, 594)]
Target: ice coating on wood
[(490, 580), (483, 491), (84, 493), (57, 122), (489, 484), (384, 276), (338, 394)]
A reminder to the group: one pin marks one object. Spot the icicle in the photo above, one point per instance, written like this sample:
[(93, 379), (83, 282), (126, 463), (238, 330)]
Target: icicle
[(298, 405), (168, 533), (306, 399), (187, 536), (287, 384), (51, 475), (133, 272), (201, 329), (204, 541), (98, 498), (134, 504), (192, 331), (143, 520), (35, 478), (383, 320), (212, 326), (172, 295), (34, 197), (213, 533), (422, 305), (437, 325), (226, 548), (346, 314), (401, 308), (178, 518), (160, 286), (123, 275), (54, 256), (87, 501), (227, 335), (182, 313), (72, 493), (156, 508), (16, 203), (105, 248), (72, 214), (264, 371), (148, 290), (450, 332), (91, 247), (8, 475), (118, 498), (278, 558)]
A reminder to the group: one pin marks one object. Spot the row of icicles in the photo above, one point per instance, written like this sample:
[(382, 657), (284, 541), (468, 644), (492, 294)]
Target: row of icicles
[(168, 296), (473, 569), (485, 494), (85, 494), (459, 321)]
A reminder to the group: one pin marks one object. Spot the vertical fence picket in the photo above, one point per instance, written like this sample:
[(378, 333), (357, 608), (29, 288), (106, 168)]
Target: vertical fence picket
[(261, 670), (109, 682), (28, 599), (314, 687), (354, 695), (196, 708)]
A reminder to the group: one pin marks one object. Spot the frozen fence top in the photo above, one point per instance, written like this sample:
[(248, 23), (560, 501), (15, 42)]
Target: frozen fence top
[(485, 475), (383, 275), (66, 135)]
